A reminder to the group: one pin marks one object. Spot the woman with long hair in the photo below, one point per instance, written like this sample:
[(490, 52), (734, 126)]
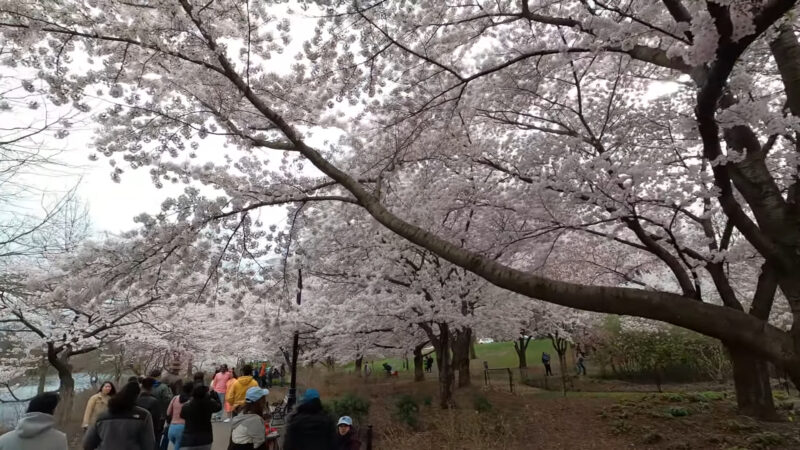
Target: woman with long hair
[(176, 422), (98, 404), (124, 426), (197, 431)]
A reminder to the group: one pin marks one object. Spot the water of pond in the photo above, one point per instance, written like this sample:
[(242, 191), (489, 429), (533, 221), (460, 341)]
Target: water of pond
[(11, 412)]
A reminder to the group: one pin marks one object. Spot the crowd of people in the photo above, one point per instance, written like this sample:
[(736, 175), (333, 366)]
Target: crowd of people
[(153, 412)]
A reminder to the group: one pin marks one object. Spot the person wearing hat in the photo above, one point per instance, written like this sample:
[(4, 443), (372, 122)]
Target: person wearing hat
[(35, 431), (346, 436), (309, 427), (248, 430)]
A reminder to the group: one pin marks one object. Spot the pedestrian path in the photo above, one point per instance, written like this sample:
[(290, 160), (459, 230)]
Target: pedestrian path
[(222, 434)]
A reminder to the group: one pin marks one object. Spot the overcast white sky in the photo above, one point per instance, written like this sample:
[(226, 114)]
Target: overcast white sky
[(114, 205)]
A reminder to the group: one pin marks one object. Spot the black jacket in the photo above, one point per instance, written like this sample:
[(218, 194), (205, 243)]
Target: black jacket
[(153, 406), (197, 414), (125, 430), (310, 428), (348, 442)]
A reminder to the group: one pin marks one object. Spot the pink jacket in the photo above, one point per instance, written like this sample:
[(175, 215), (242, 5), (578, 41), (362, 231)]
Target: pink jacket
[(220, 382)]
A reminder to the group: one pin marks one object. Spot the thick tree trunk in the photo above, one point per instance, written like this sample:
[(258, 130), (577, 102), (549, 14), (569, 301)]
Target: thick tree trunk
[(753, 389), (562, 365), (461, 343), (359, 362), (66, 388), (445, 364), (419, 364), (521, 349), (472, 353)]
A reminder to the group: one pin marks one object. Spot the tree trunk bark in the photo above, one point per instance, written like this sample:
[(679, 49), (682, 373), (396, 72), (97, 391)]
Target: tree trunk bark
[(461, 343), (521, 348), (66, 388), (472, 353), (445, 364), (419, 364), (359, 362), (753, 389), (42, 375), (562, 364)]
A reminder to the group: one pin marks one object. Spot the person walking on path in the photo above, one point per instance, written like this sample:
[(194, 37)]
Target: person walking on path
[(36, 429), (546, 361), (176, 422), (309, 427), (197, 431), (346, 438), (228, 406), (428, 364), (124, 426), (283, 374), (220, 386), (161, 390), (262, 375), (98, 404), (248, 430), (149, 402), (236, 394)]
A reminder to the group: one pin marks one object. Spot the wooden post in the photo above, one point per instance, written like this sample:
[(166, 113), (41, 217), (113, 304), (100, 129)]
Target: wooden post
[(510, 381), (369, 437)]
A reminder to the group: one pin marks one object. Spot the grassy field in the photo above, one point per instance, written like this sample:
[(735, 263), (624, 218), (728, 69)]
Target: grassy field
[(499, 355)]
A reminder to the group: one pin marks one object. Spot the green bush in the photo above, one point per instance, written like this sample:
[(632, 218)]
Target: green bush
[(427, 400), (406, 410), (482, 404), (349, 405), (674, 398), (670, 355), (678, 412)]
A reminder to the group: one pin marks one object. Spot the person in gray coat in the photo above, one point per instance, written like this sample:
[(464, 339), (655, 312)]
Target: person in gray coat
[(124, 426), (35, 431)]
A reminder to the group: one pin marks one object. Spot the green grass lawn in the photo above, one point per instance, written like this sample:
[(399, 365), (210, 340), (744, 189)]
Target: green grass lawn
[(499, 355)]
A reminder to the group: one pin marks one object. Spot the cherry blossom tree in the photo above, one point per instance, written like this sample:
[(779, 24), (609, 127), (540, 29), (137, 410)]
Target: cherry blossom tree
[(498, 101)]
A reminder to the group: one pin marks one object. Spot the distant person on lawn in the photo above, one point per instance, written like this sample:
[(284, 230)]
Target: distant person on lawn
[(36, 429), (579, 365), (546, 361)]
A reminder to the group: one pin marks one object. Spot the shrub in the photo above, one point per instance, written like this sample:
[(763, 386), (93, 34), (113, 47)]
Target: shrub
[(349, 405), (674, 398), (406, 410), (766, 439), (678, 412), (427, 400), (482, 404), (620, 427)]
